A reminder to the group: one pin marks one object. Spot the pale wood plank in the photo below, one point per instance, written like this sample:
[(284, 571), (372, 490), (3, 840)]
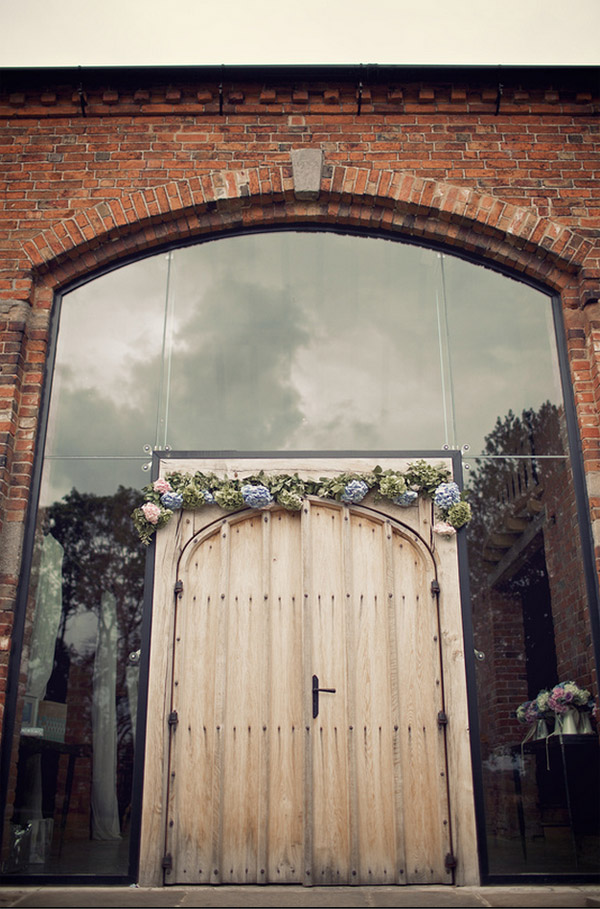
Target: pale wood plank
[(426, 835), (285, 836), (395, 695), (307, 671), (221, 654), (354, 770), (375, 817), (331, 821), (327, 467), (191, 817), (154, 801), (264, 671), (245, 605), (460, 777)]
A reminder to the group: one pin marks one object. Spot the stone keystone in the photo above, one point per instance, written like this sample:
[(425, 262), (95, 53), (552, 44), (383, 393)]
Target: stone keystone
[(306, 168)]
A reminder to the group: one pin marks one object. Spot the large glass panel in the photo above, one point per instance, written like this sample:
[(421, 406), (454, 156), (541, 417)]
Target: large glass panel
[(288, 341), (296, 341), (105, 391), (72, 797), (72, 782), (535, 673), (316, 341), (503, 361)]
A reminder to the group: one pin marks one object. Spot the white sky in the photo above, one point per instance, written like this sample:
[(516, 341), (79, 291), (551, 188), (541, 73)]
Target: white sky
[(196, 32)]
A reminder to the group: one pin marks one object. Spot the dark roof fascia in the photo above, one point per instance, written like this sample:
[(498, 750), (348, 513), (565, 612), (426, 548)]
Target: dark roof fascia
[(130, 75)]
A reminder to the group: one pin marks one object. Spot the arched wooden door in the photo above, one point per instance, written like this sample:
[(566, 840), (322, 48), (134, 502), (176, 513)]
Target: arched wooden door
[(307, 741)]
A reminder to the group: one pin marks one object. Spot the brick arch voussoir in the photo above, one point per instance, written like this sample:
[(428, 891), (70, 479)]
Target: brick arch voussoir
[(388, 201)]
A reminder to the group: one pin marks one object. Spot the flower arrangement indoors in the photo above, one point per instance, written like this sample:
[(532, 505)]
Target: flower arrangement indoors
[(565, 709)]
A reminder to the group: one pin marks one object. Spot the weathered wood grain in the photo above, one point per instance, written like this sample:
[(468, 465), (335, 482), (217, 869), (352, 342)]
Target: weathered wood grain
[(252, 788)]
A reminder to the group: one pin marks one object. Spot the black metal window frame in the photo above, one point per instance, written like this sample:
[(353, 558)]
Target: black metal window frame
[(588, 559)]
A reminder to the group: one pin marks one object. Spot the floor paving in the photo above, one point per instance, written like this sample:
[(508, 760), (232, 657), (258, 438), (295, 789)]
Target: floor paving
[(442, 897)]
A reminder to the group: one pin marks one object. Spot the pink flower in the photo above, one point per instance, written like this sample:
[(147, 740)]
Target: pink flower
[(532, 713), (151, 512), (444, 528), (161, 486), (557, 699)]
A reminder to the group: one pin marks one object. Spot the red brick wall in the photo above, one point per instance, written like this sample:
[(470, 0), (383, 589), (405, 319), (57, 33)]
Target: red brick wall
[(436, 156)]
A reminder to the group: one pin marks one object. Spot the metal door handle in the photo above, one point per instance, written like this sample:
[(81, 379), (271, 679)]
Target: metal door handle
[(315, 694)]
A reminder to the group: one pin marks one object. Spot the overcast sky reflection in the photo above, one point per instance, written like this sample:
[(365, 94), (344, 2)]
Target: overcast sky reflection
[(288, 341)]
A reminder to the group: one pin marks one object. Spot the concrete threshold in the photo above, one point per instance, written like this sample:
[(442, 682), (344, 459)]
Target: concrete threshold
[(283, 896)]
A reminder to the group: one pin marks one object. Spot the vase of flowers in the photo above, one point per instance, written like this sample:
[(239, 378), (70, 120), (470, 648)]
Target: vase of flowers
[(569, 702), (541, 730), (568, 723), (566, 707), (537, 716), (585, 723)]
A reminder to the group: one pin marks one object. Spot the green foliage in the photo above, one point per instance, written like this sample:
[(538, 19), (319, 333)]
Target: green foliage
[(425, 478), (101, 555), (459, 514), (392, 485), (290, 500), (333, 487), (228, 496)]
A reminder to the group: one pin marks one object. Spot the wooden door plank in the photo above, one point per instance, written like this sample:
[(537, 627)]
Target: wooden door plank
[(354, 770), (395, 701), (190, 827), (243, 705), (375, 818), (285, 828), (307, 672), (425, 814), (156, 759), (460, 775), (263, 669), (330, 786)]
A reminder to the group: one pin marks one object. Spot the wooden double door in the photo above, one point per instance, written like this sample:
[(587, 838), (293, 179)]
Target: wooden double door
[(307, 736)]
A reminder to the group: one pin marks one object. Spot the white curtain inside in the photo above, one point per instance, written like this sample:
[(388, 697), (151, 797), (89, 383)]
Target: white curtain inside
[(132, 675), (105, 813), (48, 608)]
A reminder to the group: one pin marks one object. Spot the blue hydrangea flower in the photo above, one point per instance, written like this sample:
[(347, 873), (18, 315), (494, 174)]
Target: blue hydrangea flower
[(407, 498), (209, 499), (172, 500), (354, 491), (256, 496), (447, 495)]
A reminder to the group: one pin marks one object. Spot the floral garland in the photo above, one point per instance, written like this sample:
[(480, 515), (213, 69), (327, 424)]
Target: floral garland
[(178, 490)]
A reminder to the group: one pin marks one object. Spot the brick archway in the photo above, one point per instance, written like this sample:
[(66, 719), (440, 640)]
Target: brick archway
[(388, 201)]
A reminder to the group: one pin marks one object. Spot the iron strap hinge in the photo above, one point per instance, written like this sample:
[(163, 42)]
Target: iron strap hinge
[(178, 588), (450, 861), (435, 587), (442, 718), (173, 719), (167, 862)]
